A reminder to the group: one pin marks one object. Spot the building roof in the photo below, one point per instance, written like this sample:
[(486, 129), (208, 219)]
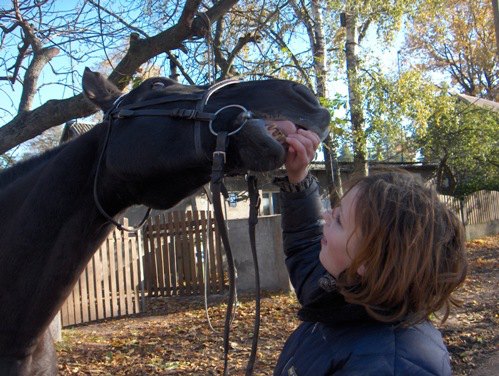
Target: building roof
[(73, 129), (484, 103), (373, 165)]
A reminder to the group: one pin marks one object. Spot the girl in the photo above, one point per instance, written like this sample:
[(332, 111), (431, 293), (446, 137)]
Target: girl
[(368, 274)]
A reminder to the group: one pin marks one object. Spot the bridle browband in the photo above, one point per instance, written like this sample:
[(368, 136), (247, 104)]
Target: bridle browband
[(198, 115)]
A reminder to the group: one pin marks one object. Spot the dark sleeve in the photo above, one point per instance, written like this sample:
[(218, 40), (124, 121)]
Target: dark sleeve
[(301, 222)]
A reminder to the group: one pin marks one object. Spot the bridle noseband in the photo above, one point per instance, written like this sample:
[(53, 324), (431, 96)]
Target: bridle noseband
[(198, 115)]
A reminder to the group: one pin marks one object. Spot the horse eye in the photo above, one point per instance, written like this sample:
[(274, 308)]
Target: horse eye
[(158, 85)]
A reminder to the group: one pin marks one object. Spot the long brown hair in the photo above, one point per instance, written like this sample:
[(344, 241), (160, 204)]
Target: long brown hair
[(412, 250)]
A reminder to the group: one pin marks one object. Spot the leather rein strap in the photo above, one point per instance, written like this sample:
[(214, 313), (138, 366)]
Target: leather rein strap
[(198, 115), (252, 221), (217, 188)]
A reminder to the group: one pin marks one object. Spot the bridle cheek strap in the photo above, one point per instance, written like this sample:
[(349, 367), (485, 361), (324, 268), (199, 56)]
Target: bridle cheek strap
[(254, 201), (200, 105), (217, 188), (217, 175)]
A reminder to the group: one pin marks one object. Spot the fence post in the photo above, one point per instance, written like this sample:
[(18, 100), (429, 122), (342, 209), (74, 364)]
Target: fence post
[(464, 215), (140, 242)]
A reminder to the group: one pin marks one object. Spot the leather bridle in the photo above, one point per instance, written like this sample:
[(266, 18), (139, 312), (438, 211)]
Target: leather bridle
[(199, 116)]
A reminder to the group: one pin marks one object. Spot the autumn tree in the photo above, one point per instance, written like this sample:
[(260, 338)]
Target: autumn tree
[(397, 108), (463, 139), (457, 38), (358, 18), (410, 119)]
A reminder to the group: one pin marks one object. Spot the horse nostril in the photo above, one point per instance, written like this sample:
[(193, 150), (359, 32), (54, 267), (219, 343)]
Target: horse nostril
[(306, 94)]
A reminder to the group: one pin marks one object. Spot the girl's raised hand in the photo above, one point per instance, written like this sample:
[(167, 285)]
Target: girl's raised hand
[(301, 151)]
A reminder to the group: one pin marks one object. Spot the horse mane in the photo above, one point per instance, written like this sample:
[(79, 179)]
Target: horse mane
[(11, 174)]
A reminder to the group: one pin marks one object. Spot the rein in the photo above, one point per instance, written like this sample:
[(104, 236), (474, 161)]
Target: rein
[(216, 187), (198, 115)]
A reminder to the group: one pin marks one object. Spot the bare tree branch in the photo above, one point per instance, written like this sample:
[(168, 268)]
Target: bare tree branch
[(40, 59), (295, 60), (28, 124)]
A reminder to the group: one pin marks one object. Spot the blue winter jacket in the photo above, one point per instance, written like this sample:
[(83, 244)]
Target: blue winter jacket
[(335, 337)]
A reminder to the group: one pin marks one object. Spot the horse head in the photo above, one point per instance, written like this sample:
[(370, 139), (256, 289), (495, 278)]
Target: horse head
[(162, 129)]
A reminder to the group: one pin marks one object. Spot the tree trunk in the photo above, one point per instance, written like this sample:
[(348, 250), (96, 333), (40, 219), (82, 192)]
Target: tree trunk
[(495, 10), (354, 96), (333, 174), (321, 72)]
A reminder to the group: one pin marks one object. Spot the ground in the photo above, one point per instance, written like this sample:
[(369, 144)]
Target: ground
[(471, 332), (174, 338)]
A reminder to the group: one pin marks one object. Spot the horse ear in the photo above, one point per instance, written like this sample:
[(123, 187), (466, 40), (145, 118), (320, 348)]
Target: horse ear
[(99, 89)]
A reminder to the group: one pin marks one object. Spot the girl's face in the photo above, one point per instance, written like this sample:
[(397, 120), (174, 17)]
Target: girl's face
[(340, 241)]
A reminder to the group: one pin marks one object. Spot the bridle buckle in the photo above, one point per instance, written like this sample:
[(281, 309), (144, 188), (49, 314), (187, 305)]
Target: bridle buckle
[(218, 152)]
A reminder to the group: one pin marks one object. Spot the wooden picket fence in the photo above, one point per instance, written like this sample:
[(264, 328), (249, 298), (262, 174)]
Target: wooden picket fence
[(177, 246), (110, 284), (479, 207), (166, 258)]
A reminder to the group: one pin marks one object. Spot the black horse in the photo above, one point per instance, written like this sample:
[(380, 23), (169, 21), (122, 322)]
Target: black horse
[(153, 148)]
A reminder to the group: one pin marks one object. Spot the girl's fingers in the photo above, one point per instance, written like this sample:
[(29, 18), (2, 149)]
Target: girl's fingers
[(298, 146), (307, 142), (307, 137), (311, 136), (301, 151)]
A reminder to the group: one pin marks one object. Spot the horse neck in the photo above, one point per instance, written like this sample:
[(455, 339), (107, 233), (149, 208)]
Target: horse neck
[(49, 230), (51, 227)]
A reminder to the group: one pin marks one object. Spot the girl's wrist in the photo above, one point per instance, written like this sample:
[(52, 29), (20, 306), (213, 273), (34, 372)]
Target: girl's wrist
[(297, 178), (286, 185)]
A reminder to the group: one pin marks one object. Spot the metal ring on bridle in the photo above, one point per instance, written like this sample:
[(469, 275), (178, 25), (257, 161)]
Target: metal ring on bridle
[(246, 115)]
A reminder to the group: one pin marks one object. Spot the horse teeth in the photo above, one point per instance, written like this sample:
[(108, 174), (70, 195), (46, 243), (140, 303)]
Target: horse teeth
[(276, 133), (279, 136)]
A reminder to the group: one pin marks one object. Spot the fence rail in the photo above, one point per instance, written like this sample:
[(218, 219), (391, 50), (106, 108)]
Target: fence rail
[(166, 258), (479, 207), (176, 245)]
